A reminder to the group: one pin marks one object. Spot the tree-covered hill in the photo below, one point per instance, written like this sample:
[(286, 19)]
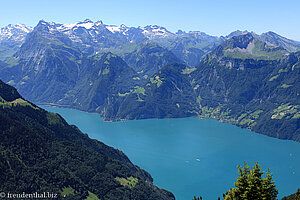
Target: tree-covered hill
[(167, 94), (40, 152)]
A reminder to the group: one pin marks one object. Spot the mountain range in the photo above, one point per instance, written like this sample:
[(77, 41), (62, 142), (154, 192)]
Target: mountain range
[(125, 72), (95, 37)]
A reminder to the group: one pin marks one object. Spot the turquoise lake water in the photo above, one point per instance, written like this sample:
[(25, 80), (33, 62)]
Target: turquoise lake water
[(193, 156)]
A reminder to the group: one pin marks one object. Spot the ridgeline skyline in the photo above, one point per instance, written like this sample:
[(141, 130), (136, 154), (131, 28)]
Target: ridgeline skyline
[(215, 17)]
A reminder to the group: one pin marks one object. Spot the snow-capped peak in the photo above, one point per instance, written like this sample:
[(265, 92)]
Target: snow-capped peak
[(16, 32), (88, 24), (151, 31), (118, 29), (113, 28), (20, 27), (23, 27)]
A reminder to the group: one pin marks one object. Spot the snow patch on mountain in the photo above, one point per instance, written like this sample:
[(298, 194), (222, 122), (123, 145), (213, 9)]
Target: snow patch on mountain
[(15, 33), (87, 24), (113, 28), (151, 31), (156, 31)]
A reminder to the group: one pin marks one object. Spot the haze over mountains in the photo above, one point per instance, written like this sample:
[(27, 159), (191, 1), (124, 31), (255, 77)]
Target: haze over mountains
[(148, 72)]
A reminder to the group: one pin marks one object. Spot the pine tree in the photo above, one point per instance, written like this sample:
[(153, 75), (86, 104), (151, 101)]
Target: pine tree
[(250, 185)]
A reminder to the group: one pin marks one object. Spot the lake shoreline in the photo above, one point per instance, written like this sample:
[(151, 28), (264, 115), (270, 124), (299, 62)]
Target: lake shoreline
[(168, 149), (199, 117)]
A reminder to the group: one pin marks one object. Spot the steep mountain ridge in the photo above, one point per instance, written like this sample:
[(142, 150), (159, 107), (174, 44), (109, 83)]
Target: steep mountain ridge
[(271, 38), (278, 40), (246, 46)]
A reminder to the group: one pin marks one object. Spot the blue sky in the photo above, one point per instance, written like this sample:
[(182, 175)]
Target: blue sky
[(214, 17)]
